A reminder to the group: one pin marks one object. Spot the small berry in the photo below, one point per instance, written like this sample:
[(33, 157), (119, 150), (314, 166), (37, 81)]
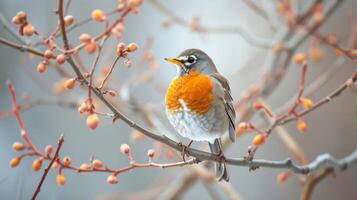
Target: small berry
[(66, 161), (48, 54), (36, 164), (338, 52), (132, 47), (277, 47), (259, 139), (257, 105), (85, 166), (92, 121), (91, 47), (151, 153), (307, 103), (301, 125), (14, 162), (68, 20), (97, 163), (41, 67), (28, 30), (353, 53), (315, 54), (318, 17), (135, 3), (242, 127), (282, 7), (16, 20), (48, 149), (21, 15), (112, 93), (17, 146), (20, 18), (98, 15), (120, 49), (112, 179), (282, 177), (85, 38), (299, 58), (60, 58), (331, 39), (349, 83), (136, 135), (125, 149), (83, 107), (60, 179), (70, 83)]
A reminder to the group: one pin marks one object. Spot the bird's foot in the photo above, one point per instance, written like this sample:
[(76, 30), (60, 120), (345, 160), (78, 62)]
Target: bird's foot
[(184, 151), (221, 157)]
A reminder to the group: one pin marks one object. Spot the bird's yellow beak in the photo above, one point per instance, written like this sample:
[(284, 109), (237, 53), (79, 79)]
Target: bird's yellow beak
[(174, 61)]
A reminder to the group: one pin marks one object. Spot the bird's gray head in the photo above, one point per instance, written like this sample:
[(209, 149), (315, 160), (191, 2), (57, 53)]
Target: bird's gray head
[(193, 60)]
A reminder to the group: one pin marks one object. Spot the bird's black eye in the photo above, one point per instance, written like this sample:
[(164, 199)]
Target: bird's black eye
[(191, 59)]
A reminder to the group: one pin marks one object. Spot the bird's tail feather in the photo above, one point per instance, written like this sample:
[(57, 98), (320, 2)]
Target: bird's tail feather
[(220, 168)]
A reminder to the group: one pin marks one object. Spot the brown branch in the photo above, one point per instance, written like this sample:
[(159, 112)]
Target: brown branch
[(43, 177), (109, 73), (22, 48), (325, 100), (313, 181)]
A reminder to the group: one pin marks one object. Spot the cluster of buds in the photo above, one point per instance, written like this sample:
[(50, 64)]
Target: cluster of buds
[(25, 28), (122, 49), (90, 45), (36, 164), (92, 120), (42, 66), (19, 18)]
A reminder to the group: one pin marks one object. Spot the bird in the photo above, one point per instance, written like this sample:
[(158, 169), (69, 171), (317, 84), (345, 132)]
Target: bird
[(199, 105)]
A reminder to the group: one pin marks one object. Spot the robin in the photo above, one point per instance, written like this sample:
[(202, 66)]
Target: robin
[(199, 104)]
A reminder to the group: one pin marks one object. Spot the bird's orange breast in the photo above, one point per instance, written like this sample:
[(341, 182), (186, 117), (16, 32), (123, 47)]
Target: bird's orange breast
[(194, 90)]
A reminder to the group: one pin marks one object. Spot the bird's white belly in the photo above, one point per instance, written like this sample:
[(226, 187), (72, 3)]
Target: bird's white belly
[(206, 127)]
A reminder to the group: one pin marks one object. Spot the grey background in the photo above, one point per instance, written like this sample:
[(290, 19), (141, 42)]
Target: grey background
[(331, 128)]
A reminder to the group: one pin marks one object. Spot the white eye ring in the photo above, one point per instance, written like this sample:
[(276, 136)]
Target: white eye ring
[(191, 59)]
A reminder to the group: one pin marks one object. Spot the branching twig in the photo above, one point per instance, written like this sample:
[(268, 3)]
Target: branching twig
[(54, 159)]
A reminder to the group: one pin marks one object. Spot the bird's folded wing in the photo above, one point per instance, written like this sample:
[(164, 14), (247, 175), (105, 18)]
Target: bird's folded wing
[(228, 102)]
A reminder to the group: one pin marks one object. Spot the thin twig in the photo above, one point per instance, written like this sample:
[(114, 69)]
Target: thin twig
[(43, 177)]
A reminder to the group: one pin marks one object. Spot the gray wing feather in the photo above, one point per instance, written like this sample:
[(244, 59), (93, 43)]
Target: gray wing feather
[(228, 103)]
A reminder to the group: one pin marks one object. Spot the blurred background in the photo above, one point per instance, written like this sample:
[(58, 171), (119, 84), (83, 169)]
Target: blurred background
[(331, 128)]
